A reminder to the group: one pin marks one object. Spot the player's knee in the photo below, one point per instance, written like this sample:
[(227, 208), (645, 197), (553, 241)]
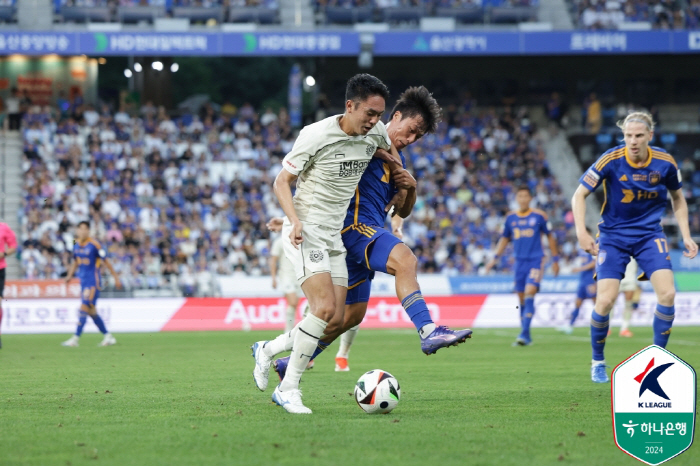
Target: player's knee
[(604, 305), (667, 296), (324, 310), (401, 260)]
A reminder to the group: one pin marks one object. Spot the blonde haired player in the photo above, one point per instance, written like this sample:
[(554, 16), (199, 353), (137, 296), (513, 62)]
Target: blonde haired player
[(637, 180)]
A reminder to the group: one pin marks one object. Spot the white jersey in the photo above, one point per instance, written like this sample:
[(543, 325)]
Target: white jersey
[(329, 164), (284, 266)]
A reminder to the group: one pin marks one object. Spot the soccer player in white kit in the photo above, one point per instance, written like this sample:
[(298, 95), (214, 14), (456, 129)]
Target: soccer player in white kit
[(629, 286), (326, 161)]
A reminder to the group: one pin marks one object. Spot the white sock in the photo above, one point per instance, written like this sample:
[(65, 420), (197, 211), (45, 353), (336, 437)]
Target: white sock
[(280, 344), (305, 342), (289, 325), (426, 330), (626, 316), (346, 340)]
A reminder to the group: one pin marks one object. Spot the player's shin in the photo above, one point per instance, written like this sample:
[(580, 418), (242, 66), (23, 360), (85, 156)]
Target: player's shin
[(289, 322), (81, 323), (663, 321), (528, 314), (599, 332), (626, 316), (574, 316), (305, 343), (417, 310), (346, 341), (99, 322)]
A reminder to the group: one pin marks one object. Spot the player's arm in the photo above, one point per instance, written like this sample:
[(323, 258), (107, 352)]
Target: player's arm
[(500, 248), (283, 191), (554, 248), (578, 207), (680, 210), (397, 226), (272, 261), (404, 181), (583, 268), (10, 244), (108, 264), (390, 156), (275, 224), (71, 270)]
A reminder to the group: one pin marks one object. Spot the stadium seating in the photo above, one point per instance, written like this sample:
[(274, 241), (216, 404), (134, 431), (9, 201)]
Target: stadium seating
[(598, 14), (78, 14), (7, 13)]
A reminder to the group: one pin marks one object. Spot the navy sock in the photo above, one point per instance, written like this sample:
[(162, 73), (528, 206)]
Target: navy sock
[(417, 310), (599, 332), (81, 323), (574, 316), (635, 306), (319, 349), (100, 323), (528, 314), (663, 321)]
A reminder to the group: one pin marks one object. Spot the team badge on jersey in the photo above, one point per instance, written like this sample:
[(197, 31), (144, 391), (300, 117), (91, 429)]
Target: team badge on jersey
[(601, 256), (316, 256), (371, 149), (654, 178)]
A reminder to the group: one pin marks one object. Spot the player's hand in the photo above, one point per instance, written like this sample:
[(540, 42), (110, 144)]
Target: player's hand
[(489, 266), (691, 246), (117, 283), (275, 224), (588, 243), (396, 202), (576, 270), (387, 156), (555, 268), (67, 280), (295, 234), (398, 232), (403, 179), (274, 283)]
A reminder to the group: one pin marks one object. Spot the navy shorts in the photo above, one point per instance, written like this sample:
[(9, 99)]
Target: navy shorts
[(528, 272), (368, 251), (650, 251)]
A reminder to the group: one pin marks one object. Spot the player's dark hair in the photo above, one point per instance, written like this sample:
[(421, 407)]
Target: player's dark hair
[(363, 86), (418, 101), (85, 222), (524, 188)]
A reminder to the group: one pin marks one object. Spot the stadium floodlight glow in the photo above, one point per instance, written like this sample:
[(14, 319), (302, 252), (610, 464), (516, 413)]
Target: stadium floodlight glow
[(174, 67), (310, 81), (157, 65), (128, 73), (137, 67)]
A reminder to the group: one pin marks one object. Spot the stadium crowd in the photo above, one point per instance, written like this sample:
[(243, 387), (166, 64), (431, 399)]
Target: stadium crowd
[(178, 200), (661, 14)]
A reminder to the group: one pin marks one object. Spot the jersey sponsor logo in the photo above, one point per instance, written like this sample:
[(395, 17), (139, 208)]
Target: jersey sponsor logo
[(353, 168), (290, 164), (654, 178), (371, 149), (623, 178), (316, 256), (601, 256), (639, 177), (629, 196)]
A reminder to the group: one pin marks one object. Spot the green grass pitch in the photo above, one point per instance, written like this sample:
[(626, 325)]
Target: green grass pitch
[(189, 399)]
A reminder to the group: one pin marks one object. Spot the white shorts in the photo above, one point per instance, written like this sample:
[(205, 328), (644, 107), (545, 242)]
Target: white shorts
[(287, 284), (629, 281), (322, 251)]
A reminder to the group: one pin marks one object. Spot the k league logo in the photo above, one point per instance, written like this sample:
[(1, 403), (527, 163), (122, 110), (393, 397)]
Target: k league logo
[(653, 401)]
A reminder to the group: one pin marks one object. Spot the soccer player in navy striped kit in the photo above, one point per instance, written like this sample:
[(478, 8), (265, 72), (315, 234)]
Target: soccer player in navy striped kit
[(637, 180)]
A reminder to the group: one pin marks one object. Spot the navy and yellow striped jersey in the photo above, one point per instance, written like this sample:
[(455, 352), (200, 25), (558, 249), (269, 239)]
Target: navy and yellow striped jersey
[(635, 196), (89, 256), (525, 230), (372, 194)]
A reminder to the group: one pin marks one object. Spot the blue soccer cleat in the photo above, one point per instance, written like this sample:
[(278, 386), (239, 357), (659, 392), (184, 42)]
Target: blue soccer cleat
[(598, 374), (442, 337), (280, 366)]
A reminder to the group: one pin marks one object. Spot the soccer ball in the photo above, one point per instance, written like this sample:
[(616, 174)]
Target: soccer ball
[(377, 392)]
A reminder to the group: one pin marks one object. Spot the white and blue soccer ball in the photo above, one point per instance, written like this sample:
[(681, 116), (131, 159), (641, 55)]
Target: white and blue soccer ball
[(377, 392)]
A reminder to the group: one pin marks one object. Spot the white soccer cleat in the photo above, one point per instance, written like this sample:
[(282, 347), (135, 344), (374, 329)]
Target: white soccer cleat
[(290, 401), (261, 373), (108, 340), (567, 329), (72, 341)]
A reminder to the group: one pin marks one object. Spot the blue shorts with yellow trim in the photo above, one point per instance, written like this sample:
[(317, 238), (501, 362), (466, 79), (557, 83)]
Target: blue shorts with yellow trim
[(89, 295), (527, 272), (650, 251), (368, 251)]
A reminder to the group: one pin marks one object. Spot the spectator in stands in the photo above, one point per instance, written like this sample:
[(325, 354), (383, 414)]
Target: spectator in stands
[(14, 113), (594, 114), (556, 109)]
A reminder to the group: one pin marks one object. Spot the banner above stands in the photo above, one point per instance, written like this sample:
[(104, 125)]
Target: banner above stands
[(331, 43)]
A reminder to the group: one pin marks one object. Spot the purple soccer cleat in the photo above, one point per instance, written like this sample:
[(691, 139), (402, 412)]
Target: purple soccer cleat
[(280, 366), (442, 337)]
